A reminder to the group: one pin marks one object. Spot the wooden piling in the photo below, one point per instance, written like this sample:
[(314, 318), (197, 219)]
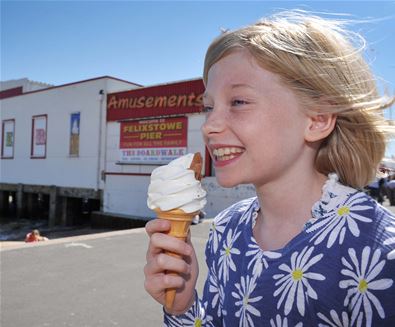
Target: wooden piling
[(52, 216), (20, 203), (4, 203)]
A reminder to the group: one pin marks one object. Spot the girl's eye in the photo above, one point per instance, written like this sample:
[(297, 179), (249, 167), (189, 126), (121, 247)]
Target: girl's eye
[(207, 109), (238, 102)]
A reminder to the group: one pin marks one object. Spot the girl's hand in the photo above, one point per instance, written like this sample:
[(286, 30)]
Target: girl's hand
[(156, 281)]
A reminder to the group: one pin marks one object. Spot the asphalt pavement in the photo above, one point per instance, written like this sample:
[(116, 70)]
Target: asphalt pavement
[(85, 281)]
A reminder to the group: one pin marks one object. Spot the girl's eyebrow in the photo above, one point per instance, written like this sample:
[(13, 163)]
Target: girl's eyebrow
[(233, 86)]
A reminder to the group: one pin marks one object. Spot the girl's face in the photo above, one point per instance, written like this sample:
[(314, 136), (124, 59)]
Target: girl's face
[(255, 128)]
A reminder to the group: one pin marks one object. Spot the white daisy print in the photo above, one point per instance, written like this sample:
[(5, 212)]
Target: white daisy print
[(246, 302), (338, 321), (294, 283), (196, 317), (218, 290), (390, 241), (172, 321), (225, 261), (343, 217), (249, 211), (279, 322), (361, 283), (207, 320), (258, 260), (217, 229)]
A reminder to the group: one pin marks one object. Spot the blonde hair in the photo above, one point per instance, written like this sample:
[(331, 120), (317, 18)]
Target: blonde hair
[(319, 60)]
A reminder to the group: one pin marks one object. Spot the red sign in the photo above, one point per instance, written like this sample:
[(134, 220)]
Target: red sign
[(154, 133), (155, 101)]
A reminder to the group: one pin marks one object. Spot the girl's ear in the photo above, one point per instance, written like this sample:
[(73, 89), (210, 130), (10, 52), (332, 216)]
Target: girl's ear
[(319, 127)]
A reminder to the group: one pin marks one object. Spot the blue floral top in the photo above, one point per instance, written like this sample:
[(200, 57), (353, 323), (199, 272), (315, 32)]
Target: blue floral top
[(339, 271)]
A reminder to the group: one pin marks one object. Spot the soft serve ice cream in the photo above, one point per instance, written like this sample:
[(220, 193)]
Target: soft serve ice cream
[(175, 186)]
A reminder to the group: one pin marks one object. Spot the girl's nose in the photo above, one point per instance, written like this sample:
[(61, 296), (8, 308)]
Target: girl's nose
[(215, 123)]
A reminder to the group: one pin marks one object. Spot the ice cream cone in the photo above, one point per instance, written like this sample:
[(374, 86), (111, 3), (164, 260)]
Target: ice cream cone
[(193, 199), (180, 223)]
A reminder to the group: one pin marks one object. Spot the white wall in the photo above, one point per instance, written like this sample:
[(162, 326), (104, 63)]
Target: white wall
[(126, 195), (58, 168)]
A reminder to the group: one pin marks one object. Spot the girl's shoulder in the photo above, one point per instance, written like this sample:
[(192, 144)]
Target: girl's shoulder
[(349, 217)]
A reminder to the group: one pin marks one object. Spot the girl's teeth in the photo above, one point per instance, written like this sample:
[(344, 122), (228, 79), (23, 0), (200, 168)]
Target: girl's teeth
[(223, 154)]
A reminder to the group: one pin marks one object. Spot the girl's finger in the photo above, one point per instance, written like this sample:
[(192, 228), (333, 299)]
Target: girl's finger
[(157, 284), (165, 262), (160, 242), (157, 226)]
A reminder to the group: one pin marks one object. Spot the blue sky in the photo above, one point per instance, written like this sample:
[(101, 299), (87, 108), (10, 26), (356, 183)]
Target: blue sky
[(149, 42), (152, 42)]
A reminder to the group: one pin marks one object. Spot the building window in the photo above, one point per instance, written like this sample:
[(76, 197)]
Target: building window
[(74, 134), (8, 139), (39, 137)]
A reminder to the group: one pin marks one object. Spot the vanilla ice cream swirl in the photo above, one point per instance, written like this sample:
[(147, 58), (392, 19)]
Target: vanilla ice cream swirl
[(174, 186)]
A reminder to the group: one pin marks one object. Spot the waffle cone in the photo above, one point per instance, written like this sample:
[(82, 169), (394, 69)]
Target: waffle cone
[(180, 222)]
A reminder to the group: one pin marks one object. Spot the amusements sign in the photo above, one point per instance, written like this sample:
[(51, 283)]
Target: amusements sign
[(7, 150), (156, 101), (39, 137), (154, 141)]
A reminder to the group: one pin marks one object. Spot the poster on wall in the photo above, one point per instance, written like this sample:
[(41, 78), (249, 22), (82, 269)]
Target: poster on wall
[(154, 141), (75, 134), (7, 150), (39, 136)]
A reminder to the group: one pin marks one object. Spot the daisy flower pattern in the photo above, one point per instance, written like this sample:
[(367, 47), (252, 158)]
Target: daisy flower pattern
[(245, 301), (391, 241), (294, 282), (338, 321), (279, 322), (362, 283), (195, 317), (226, 261), (342, 218), (259, 258), (218, 291), (338, 271), (217, 229)]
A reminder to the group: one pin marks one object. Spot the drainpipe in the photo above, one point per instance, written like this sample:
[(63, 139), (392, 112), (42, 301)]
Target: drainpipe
[(99, 152)]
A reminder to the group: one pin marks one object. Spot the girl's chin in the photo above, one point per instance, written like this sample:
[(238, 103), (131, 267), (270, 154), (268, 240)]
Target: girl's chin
[(226, 182)]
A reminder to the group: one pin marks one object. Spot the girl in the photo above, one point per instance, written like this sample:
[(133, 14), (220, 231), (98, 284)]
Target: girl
[(293, 109)]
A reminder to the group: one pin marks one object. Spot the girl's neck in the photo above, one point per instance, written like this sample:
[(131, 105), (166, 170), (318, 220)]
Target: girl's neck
[(289, 200)]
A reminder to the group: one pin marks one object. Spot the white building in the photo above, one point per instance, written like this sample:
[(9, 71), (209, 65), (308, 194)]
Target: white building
[(39, 147), (99, 139)]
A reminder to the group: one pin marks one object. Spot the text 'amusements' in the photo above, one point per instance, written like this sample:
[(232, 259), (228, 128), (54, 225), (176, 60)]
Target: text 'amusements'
[(164, 101)]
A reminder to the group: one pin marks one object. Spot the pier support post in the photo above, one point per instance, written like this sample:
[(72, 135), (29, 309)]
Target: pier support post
[(30, 205), (66, 218), (53, 201), (20, 203), (3, 202)]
